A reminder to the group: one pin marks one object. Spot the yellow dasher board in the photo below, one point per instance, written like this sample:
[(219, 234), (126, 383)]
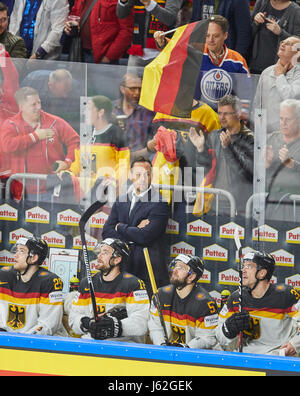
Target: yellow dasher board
[(139, 367)]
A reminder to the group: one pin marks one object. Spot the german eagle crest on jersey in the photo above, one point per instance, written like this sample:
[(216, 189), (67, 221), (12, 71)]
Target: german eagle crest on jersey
[(16, 316)]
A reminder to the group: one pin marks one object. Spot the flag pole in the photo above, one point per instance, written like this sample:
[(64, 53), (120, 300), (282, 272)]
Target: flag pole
[(169, 31)]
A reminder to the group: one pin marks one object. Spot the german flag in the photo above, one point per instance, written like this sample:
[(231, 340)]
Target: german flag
[(169, 80)]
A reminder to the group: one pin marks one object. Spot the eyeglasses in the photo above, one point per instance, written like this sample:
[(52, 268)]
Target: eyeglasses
[(132, 89), (226, 113)]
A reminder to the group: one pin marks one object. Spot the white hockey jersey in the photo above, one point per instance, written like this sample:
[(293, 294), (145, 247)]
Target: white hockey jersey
[(33, 307), (125, 290), (272, 320)]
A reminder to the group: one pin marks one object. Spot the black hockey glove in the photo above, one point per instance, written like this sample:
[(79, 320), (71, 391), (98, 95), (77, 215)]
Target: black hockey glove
[(119, 312), (106, 327), (236, 323), (85, 324)]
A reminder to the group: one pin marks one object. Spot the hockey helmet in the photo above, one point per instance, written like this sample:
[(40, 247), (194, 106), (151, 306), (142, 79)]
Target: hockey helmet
[(35, 246), (194, 262), (74, 283), (263, 260), (121, 249)]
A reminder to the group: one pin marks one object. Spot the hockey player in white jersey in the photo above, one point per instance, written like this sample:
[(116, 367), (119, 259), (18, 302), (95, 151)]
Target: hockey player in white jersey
[(114, 289), (189, 312), (266, 320), (31, 299)]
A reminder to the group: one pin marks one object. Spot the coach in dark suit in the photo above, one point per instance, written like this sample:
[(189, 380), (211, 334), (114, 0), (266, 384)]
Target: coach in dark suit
[(140, 219)]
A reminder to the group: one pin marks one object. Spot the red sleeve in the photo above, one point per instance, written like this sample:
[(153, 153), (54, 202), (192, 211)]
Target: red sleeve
[(77, 7), (123, 39), (13, 142), (11, 83), (69, 138)]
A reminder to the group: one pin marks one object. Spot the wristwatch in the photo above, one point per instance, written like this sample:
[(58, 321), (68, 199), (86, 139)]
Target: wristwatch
[(38, 55)]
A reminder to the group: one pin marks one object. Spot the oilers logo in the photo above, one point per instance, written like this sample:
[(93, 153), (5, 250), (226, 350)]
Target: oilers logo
[(215, 84)]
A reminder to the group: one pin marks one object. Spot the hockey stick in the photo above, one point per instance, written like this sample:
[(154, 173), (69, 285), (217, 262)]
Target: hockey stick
[(239, 248), (155, 295), (82, 223)]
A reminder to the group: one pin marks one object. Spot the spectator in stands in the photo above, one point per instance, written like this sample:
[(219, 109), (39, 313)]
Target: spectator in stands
[(175, 149), (59, 93), (279, 82), (36, 142), (233, 146), (40, 24), (223, 65), (104, 37), (223, 71), (149, 16), (272, 22), (110, 156), (14, 45), (9, 4), (139, 218), (237, 12), (134, 119), (283, 163)]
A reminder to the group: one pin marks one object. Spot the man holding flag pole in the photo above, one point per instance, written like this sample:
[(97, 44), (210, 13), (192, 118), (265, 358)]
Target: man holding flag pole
[(203, 68)]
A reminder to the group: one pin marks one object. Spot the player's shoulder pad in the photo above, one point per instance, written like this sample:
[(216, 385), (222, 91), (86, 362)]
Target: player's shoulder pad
[(6, 270), (46, 275), (7, 273), (290, 292), (49, 281), (167, 290), (133, 281), (281, 288), (201, 294)]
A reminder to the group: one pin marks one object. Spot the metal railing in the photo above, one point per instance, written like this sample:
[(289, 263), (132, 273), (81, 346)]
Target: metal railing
[(24, 177), (202, 190)]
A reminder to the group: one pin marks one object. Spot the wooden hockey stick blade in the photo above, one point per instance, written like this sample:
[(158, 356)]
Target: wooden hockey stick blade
[(155, 294), (150, 271)]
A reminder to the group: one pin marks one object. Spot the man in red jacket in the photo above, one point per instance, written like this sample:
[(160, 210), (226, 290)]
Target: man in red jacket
[(36, 141), (105, 38)]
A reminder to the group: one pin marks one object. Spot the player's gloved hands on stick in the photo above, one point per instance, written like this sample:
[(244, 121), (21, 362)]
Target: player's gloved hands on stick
[(236, 323), (106, 327)]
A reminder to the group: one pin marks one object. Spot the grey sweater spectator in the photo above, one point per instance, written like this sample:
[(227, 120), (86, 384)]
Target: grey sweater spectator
[(47, 20), (279, 82)]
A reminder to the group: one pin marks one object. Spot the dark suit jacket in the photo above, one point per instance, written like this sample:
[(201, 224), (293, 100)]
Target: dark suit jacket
[(154, 208)]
